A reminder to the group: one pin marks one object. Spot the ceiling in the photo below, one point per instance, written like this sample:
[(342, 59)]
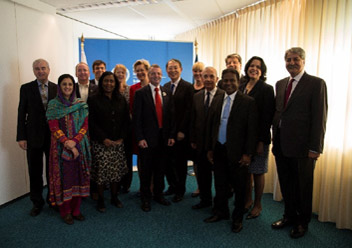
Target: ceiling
[(146, 19)]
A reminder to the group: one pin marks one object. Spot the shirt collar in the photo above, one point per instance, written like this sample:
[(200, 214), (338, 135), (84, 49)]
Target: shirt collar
[(212, 92), (40, 84), (232, 96), (298, 76)]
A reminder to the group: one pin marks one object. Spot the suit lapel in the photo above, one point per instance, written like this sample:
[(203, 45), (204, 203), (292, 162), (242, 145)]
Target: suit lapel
[(150, 99), (297, 91), (36, 93)]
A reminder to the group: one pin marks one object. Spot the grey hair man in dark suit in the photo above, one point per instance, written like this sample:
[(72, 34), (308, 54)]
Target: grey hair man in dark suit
[(33, 134), (230, 142), (298, 139)]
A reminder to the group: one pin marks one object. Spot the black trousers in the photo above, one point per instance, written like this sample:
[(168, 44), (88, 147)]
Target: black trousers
[(35, 169), (152, 166), (227, 173), (204, 176), (176, 172), (296, 183)]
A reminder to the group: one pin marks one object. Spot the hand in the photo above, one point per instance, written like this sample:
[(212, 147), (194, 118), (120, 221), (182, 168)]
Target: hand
[(313, 155), (180, 136), (193, 145), (117, 142), (260, 148), (75, 152), (23, 144), (245, 160), (70, 144), (108, 142), (170, 142), (210, 156), (143, 144)]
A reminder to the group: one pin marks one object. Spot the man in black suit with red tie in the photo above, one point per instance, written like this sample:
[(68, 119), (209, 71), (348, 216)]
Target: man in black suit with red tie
[(298, 139), (152, 121), (231, 140), (182, 97), (84, 89), (200, 108), (33, 134)]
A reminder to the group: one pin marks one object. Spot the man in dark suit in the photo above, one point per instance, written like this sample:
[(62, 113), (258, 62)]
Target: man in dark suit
[(99, 67), (84, 89), (298, 139), (33, 134), (231, 137), (152, 121), (182, 96), (201, 104), (233, 61)]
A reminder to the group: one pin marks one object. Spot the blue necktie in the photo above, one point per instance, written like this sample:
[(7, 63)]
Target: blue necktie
[(223, 121), (172, 88)]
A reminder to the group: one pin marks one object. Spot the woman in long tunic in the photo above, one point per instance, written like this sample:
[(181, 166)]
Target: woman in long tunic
[(70, 157), (109, 122)]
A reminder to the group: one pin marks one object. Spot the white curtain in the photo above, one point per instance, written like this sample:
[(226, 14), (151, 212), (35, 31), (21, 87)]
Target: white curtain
[(324, 29)]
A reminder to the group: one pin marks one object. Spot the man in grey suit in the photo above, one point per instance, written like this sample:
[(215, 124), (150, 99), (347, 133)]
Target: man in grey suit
[(298, 139), (33, 134), (202, 101), (230, 142)]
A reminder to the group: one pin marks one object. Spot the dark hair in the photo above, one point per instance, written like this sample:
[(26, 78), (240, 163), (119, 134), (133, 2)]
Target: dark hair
[(98, 62), (296, 50), (233, 71), (174, 60), (262, 67), (116, 91), (59, 92)]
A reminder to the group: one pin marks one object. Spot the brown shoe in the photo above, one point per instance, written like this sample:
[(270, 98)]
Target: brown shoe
[(68, 219)]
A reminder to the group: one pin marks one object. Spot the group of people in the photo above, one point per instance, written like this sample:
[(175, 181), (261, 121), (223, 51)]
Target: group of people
[(89, 130)]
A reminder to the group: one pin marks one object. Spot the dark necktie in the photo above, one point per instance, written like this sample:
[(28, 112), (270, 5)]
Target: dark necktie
[(44, 96), (158, 108), (288, 91), (206, 104), (172, 88)]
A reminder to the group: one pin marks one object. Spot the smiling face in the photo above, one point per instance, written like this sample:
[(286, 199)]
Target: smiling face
[(210, 78), (120, 74), (41, 71), (108, 84), (294, 64), (197, 74), (230, 83), (155, 75), (254, 70), (233, 63), (66, 87), (141, 73), (82, 73), (99, 70), (173, 70)]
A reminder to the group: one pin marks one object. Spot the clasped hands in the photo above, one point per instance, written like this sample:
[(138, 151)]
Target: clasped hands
[(71, 145), (143, 143), (245, 160), (109, 142)]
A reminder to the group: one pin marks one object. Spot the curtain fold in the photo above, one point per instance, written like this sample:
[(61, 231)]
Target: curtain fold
[(324, 29)]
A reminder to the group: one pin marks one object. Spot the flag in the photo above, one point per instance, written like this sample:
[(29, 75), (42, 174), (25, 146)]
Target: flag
[(83, 54)]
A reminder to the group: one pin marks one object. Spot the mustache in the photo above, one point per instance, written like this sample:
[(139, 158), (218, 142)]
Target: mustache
[(293, 67)]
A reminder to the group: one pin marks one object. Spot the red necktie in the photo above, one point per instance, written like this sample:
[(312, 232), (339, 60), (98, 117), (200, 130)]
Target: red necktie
[(288, 91), (158, 108)]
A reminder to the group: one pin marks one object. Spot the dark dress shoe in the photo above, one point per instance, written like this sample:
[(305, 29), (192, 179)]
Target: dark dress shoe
[(79, 217), (195, 194), (68, 219), (146, 206), (201, 205), (162, 201), (236, 227), (35, 211), (116, 202), (101, 206), (177, 198), (169, 192), (215, 218), (281, 223), (298, 232), (252, 216)]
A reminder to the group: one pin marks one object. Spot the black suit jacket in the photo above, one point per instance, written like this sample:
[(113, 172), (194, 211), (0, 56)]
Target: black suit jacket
[(145, 120), (241, 126), (199, 118), (92, 81), (182, 102), (265, 101), (31, 121), (92, 90), (303, 120)]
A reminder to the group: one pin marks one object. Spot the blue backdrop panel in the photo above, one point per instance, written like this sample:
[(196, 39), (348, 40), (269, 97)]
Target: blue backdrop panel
[(126, 52)]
